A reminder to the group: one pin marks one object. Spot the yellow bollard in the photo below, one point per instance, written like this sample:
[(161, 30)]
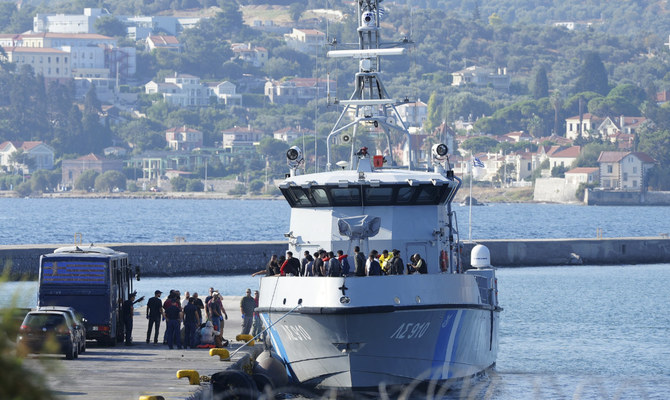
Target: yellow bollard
[(222, 353), (193, 376), (245, 338), (152, 397)]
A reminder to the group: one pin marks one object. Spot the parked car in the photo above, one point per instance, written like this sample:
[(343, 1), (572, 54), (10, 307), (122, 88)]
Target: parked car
[(42, 328), (78, 321)]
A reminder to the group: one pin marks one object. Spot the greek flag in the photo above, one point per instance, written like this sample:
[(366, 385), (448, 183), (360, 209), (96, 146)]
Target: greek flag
[(478, 163)]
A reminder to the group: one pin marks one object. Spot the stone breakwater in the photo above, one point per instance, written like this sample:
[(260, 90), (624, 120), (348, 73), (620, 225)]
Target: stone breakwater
[(159, 259), (179, 259)]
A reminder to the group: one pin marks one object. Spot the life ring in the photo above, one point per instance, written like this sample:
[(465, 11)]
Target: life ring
[(444, 260)]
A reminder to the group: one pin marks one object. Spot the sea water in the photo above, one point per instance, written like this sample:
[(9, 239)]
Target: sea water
[(578, 332), (572, 332)]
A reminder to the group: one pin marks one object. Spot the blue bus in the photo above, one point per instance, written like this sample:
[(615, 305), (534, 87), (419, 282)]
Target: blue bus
[(93, 280)]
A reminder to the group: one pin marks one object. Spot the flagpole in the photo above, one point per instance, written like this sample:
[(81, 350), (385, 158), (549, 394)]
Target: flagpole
[(472, 171)]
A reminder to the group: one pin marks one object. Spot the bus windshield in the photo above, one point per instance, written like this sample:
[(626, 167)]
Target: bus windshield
[(70, 272)]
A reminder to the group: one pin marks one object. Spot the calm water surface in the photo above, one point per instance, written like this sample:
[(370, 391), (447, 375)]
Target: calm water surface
[(55, 221), (583, 332)]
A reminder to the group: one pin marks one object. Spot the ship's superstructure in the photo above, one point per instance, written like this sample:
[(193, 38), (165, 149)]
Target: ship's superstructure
[(355, 332)]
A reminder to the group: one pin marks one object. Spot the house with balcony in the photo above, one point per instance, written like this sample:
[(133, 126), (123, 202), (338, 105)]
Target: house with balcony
[(241, 139), (254, 55), (624, 170), (183, 138), (225, 91), (482, 77), (413, 113), (181, 90), (41, 154), (72, 169)]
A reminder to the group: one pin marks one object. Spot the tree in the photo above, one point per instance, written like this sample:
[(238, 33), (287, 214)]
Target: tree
[(178, 184), (86, 180), (592, 76), (433, 118), (541, 84), (588, 157), (108, 25), (256, 186), (295, 11), (109, 181), (195, 185), (479, 144)]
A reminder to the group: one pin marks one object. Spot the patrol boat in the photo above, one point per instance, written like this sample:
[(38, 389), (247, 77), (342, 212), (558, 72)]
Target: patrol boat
[(357, 332)]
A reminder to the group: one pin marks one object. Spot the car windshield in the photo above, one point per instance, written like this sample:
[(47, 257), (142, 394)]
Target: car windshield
[(49, 321)]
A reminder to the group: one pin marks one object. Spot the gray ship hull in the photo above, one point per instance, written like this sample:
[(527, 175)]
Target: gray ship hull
[(361, 347)]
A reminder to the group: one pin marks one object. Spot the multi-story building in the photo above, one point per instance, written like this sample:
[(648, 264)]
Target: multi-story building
[(226, 92), (309, 41), (480, 76), (413, 113), (254, 55), (72, 169), (165, 42), (239, 139), (52, 64), (61, 23), (41, 154), (183, 138), (181, 89), (624, 170)]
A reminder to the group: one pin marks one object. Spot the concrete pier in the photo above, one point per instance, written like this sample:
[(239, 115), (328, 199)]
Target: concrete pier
[(179, 259), (128, 372)]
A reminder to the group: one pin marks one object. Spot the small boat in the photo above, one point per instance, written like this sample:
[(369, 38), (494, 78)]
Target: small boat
[(354, 332)]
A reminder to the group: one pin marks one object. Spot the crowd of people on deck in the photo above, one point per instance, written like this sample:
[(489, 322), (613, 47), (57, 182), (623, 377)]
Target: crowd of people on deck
[(191, 322), (329, 263)]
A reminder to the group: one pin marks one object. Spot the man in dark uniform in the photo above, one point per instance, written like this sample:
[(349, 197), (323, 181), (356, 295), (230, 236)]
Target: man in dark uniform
[(359, 262), (127, 312), (191, 322), (154, 314), (247, 306)]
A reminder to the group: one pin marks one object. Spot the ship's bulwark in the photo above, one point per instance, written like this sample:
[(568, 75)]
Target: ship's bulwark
[(354, 349)]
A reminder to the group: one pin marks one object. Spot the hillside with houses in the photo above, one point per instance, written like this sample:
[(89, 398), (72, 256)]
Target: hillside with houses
[(176, 101)]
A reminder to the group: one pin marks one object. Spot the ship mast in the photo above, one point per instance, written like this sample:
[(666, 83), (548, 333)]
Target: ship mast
[(370, 103)]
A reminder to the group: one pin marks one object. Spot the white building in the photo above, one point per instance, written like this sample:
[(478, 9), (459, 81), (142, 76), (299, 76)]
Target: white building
[(226, 92), (183, 138), (52, 64), (309, 41), (41, 154), (290, 135), (479, 76), (61, 23), (624, 170), (181, 89), (413, 113)]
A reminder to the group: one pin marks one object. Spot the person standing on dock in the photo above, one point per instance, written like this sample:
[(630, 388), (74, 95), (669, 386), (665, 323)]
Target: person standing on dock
[(191, 323), (154, 314), (247, 306), (127, 312), (258, 325), (173, 316)]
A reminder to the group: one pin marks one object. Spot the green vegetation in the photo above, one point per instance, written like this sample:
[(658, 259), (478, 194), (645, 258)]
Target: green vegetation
[(613, 67)]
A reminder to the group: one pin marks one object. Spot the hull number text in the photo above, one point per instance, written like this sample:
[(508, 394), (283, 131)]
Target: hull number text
[(411, 330)]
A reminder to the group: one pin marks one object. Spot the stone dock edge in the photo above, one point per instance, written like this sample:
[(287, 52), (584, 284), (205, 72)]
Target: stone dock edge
[(231, 258)]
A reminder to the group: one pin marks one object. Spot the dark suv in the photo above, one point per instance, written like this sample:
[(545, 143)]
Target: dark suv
[(48, 332), (77, 320)]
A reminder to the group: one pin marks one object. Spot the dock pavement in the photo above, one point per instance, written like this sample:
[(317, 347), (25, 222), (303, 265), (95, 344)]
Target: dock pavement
[(128, 372)]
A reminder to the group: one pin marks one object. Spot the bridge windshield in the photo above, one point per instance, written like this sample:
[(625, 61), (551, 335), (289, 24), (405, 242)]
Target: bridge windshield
[(366, 195)]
